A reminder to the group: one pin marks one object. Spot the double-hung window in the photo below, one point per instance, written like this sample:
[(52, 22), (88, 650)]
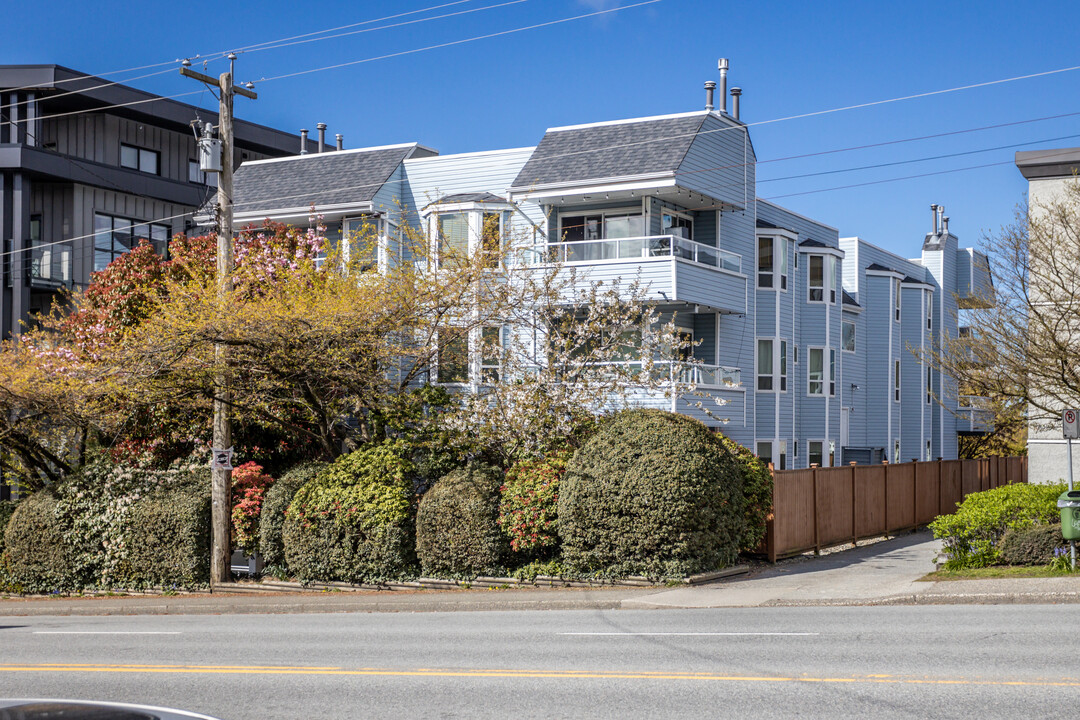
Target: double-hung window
[(929, 311), (765, 365), (929, 384), (896, 381), (453, 238), (822, 279), (361, 242), (453, 359), (492, 343), (849, 336), (821, 378), (140, 159), (896, 290), (773, 262)]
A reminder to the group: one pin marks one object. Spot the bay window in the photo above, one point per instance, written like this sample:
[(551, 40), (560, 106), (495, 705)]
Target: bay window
[(773, 262), (816, 382)]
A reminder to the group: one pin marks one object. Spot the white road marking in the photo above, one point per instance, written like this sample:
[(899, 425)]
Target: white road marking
[(696, 634), (104, 632)]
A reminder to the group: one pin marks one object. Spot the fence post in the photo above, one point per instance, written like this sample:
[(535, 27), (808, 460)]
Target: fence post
[(817, 540), (939, 483), (885, 462), (914, 495), (770, 524), (854, 506)]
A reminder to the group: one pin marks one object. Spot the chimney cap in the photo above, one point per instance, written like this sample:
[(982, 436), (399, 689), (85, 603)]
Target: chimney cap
[(722, 64), (321, 126), (736, 91)]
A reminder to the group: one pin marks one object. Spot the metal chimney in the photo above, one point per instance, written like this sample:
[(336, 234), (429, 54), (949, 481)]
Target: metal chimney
[(303, 142), (735, 93), (940, 213), (722, 65), (933, 219), (340, 141), (322, 136), (710, 86), (945, 225)]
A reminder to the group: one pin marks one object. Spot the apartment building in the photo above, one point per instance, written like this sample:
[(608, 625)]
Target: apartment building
[(807, 339), (1047, 172), (88, 168)]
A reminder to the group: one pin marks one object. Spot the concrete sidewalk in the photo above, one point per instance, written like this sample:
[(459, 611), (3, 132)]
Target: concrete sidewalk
[(882, 573)]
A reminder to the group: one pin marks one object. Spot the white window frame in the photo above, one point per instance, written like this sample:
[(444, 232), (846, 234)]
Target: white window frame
[(380, 238), (828, 372), (854, 336), (896, 450), (778, 274), (758, 356), (783, 368), (929, 384), (811, 288), (896, 314), (896, 381), (474, 219), (824, 451), (928, 451), (757, 449)]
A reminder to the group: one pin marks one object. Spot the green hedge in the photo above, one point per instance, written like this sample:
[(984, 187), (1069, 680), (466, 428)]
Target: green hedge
[(275, 503), (168, 537), (1037, 545), (972, 535), (651, 493), (7, 507), (353, 522), (112, 527), (757, 488), (457, 530), (37, 560)]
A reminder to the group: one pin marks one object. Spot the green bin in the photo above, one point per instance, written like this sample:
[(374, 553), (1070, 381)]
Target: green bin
[(1069, 503)]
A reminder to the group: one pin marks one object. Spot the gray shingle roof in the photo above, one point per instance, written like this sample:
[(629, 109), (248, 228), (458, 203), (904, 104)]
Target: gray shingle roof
[(812, 243), (477, 197), (879, 267), (324, 179), (608, 151), (847, 299)]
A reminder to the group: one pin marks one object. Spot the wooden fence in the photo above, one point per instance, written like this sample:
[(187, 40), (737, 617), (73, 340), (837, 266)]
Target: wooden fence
[(820, 507)]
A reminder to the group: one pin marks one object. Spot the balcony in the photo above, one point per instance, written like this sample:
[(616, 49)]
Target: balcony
[(50, 266), (974, 414), (672, 268), (697, 374)]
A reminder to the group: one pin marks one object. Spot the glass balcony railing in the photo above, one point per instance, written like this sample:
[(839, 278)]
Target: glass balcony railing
[(587, 251), (701, 375), (50, 264)]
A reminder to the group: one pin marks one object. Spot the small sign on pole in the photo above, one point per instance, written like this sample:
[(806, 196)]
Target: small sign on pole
[(1070, 424), (221, 459)]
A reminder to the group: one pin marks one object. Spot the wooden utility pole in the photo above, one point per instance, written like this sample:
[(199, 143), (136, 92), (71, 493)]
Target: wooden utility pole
[(221, 545)]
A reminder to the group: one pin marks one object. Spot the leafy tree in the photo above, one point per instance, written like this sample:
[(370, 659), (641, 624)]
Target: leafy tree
[(1024, 340)]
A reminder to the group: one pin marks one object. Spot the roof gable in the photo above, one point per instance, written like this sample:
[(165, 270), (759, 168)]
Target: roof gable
[(622, 149), (329, 178)]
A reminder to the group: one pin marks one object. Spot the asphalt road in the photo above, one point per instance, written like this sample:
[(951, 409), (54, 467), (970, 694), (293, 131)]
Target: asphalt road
[(980, 661)]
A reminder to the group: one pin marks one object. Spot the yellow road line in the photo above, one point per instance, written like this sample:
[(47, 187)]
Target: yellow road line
[(507, 673)]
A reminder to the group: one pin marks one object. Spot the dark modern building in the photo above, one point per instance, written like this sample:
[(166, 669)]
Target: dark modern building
[(87, 169)]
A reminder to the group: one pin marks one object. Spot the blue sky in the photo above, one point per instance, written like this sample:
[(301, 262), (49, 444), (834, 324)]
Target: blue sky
[(790, 59)]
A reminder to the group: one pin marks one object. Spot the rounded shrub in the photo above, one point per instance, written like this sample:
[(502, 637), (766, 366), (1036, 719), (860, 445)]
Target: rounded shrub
[(1038, 545), (651, 493), (757, 488), (529, 505), (457, 529), (972, 535), (168, 537), (7, 507), (275, 503), (353, 522), (37, 560)]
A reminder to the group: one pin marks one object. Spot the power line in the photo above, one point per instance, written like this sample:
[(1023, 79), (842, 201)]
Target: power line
[(368, 185), (366, 60), (384, 27), (219, 55), (460, 42)]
